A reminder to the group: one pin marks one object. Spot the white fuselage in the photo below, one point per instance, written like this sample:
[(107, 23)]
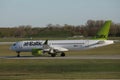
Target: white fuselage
[(27, 46)]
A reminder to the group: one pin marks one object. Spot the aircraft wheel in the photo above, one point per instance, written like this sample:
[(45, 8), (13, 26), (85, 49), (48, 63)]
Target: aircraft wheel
[(18, 55), (53, 55), (62, 54)]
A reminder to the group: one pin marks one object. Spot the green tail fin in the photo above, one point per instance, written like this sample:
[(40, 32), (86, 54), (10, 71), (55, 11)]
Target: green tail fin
[(103, 32)]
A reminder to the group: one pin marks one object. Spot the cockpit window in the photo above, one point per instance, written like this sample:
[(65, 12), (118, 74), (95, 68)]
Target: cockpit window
[(14, 44)]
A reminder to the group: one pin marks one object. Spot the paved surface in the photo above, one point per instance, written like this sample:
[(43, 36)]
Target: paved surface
[(67, 57), (72, 79), (2, 43)]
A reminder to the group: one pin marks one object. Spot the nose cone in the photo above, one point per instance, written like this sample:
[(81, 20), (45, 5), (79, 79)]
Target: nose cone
[(12, 48)]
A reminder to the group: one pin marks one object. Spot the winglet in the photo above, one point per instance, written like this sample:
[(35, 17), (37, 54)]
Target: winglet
[(103, 32)]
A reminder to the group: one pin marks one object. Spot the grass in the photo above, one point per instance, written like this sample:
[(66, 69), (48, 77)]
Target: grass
[(49, 38), (42, 38), (113, 49), (59, 69)]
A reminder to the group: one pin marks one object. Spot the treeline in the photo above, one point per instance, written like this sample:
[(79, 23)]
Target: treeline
[(66, 30)]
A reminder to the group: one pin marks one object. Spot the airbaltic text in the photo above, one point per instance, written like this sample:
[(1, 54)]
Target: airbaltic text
[(32, 43)]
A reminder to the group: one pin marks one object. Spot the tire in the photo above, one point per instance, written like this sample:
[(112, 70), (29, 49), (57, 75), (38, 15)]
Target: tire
[(18, 55), (53, 55), (62, 54)]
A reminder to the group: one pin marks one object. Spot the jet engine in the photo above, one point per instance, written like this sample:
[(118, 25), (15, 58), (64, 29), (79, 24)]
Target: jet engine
[(37, 52)]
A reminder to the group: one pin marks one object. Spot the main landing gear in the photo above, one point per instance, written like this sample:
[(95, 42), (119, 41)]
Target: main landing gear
[(62, 54), (54, 54)]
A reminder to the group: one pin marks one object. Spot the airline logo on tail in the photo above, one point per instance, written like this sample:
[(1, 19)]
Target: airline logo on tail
[(103, 32)]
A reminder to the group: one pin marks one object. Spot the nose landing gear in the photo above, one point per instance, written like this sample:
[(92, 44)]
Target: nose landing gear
[(18, 54)]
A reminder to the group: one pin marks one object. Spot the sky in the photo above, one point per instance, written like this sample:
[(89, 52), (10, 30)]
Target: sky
[(40, 13)]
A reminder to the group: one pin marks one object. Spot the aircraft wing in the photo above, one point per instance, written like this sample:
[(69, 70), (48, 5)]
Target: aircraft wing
[(52, 49), (59, 49)]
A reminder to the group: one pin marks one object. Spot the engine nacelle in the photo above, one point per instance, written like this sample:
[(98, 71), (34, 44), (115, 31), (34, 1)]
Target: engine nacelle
[(37, 52)]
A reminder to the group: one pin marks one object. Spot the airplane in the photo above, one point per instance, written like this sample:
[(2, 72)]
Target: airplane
[(54, 47)]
